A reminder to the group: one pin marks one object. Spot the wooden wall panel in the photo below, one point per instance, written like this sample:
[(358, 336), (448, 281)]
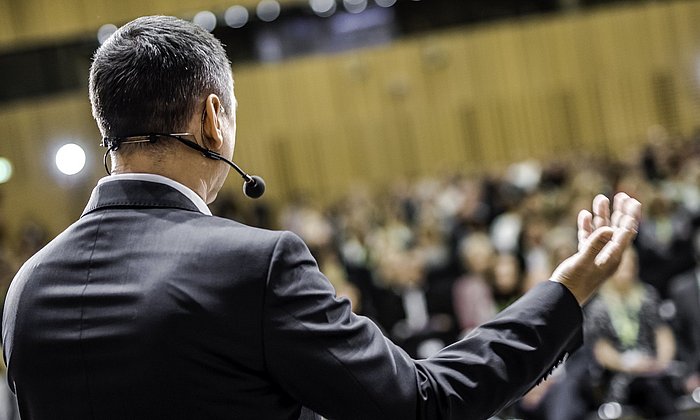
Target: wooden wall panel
[(36, 21), (32, 133)]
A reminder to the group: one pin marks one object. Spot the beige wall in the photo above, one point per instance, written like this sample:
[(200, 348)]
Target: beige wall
[(468, 99)]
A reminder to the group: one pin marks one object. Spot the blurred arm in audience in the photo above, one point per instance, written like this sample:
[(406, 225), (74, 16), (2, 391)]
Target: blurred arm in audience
[(610, 358), (665, 346)]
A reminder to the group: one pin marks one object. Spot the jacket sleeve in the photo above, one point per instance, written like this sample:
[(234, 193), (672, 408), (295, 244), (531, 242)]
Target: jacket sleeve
[(341, 366)]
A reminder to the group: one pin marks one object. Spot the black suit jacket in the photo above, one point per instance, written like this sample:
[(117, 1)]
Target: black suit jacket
[(147, 309)]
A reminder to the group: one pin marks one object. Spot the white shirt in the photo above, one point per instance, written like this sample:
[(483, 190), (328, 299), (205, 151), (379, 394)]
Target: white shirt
[(191, 195)]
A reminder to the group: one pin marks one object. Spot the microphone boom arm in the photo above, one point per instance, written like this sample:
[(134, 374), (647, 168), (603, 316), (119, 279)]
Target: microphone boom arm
[(253, 185)]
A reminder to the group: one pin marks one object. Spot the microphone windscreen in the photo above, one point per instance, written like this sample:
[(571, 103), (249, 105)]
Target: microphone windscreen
[(254, 188)]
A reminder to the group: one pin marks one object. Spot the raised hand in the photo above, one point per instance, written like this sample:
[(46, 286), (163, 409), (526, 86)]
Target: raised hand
[(602, 239)]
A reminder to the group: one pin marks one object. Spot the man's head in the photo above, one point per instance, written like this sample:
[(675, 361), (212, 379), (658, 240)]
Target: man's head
[(154, 73), (160, 74)]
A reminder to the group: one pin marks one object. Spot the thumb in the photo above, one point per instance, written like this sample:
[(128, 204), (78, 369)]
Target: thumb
[(595, 243)]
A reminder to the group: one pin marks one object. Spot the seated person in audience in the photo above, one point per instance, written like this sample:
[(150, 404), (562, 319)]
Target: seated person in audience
[(472, 294), (685, 293), (568, 394), (664, 242), (403, 306), (631, 341), (508, 279)]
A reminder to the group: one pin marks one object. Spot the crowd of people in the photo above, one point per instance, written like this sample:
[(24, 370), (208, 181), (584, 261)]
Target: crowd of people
[(430, 259)]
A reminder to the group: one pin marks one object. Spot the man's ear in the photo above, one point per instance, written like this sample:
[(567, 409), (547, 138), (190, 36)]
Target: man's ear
[(212, 131)]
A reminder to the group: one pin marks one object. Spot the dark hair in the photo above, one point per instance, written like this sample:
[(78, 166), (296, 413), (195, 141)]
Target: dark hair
[(154, 73)]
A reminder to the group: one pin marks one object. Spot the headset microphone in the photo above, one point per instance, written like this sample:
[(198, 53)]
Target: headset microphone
[(253, 185)]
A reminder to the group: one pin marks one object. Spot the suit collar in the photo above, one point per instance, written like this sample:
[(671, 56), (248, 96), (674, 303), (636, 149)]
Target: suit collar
[(135, 176), (137, 194)]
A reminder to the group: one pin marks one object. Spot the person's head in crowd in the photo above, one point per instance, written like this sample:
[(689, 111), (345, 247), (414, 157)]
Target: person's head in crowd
[(32, 237), (659, 205), (561, 243), (633, 183), (535, 227), (160, 74), (477, 253), (508, 277), (627, 275), (401, 270)]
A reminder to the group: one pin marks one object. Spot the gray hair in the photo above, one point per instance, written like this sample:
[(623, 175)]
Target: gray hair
[(153, 74)]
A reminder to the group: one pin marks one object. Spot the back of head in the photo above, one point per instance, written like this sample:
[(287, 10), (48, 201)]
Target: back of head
[(153, 74)]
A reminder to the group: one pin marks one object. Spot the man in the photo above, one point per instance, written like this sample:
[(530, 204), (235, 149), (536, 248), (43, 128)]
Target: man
[(149, 308)]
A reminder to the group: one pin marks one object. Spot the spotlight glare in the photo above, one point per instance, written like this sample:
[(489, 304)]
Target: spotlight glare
[(236, 16), (205, 19), (105, 32), (5, 170), (355, 6), (268, 10), (323, 8), (610, 411), (70, 159), (696, 395)]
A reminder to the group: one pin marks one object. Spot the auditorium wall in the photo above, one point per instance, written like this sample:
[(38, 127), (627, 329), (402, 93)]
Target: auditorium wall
[(470, 99), (27, 22)]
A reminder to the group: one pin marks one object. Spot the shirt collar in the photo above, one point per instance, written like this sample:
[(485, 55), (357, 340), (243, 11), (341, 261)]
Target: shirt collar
[(187, 192)]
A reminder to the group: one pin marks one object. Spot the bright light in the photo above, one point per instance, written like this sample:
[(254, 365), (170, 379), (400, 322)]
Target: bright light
[(355, 6), (105, 32), (385, 3), (236, 16), (610, 411), (268, 10), (323, 8), (70, 159), (5, 170), (205, 19)]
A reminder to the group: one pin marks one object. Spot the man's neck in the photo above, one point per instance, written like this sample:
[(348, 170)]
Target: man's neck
[(185, 176)]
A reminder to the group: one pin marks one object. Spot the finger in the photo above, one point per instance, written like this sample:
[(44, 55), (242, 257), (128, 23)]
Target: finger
[(615, 218), (618, 205), (622, 238), (595, 243), (623, 205), (619, 201), (601, 211), (633, 208), (585, 227), (628, 224)]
